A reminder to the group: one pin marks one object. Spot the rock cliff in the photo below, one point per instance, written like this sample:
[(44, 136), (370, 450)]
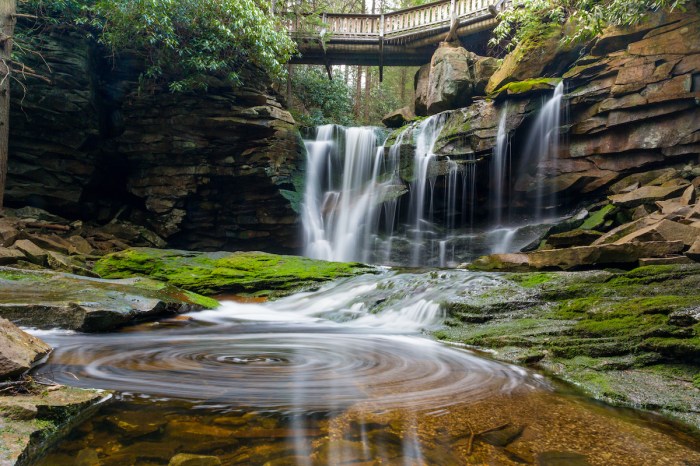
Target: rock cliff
[(631, 105), (210, 170)]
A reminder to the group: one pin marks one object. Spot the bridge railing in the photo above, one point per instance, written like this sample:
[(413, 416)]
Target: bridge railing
[(406, 21)]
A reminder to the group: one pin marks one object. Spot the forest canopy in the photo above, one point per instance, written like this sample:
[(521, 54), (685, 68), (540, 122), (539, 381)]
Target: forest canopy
[(183, 42)]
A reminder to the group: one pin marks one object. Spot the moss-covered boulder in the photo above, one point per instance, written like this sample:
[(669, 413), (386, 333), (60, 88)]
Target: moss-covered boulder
[(541, 55), (45, 299), (211, 273), (630, 338), (527, 87)]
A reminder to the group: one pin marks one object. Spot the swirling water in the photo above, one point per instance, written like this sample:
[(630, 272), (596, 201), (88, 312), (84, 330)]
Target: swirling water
[(340, 375)]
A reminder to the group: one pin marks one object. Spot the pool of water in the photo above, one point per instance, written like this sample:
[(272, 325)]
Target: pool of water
[(338, 376)]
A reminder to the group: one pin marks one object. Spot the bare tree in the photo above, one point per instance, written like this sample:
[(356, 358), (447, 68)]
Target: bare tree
[(8, 10)]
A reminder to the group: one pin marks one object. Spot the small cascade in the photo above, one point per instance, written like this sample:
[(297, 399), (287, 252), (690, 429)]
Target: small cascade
[(543, 149), (340, 216), (426, 134), (499, 167)]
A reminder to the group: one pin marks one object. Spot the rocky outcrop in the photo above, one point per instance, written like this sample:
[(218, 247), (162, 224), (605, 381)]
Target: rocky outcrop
[(210, 170), (654, 223), (18, 350), (542, 55), (256, 273), (45, 299), (635, 105), (452, 79)]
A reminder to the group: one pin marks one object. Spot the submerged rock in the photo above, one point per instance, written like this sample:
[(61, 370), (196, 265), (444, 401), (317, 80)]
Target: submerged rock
[(226, 272), (48, 299)]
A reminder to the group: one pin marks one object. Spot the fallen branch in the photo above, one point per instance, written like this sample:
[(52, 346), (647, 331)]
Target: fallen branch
[(48, 226), (22, 15)]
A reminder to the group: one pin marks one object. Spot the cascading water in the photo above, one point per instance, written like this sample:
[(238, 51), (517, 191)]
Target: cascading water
[(340, 217), (499, 167), (542, 149), (427, 133), (352, 208)]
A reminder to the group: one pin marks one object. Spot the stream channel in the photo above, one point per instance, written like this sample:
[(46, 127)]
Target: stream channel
[(343, 375)]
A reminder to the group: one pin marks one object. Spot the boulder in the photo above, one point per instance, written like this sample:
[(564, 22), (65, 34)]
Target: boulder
[(451, 81), (45, 299), (694, 251), (18, 350), (639, 179), (8, 232), (10, 256), (399, 118), (646, 195), (582, 256), (573, 238), (420, 85), (31, 251)]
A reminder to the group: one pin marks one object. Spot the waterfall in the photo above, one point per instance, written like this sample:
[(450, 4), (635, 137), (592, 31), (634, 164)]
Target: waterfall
[(542, 149), (344, 193), (499, 168), (426, 134)]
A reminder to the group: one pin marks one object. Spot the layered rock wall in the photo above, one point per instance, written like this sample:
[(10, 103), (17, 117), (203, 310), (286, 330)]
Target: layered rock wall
[(212, 170)]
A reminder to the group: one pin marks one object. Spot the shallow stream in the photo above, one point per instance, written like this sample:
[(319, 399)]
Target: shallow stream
[(341, 376)]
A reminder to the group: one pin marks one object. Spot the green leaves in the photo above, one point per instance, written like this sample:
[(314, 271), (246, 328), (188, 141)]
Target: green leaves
[(183, 42), (527, 18)]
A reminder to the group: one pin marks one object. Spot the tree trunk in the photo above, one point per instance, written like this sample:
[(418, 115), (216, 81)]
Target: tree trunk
[(7, 29), (404, 78), (368, 93), (358, 92)]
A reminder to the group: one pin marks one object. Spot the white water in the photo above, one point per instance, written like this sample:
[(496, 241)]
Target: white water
[(353, 211), (499, 167), (340, 217), (543, 149), (421, 218)]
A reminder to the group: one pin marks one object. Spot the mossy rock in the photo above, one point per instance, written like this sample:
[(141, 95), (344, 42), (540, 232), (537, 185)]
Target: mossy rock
[(526, 88), (212, 273), (46, 299), (630, 338)]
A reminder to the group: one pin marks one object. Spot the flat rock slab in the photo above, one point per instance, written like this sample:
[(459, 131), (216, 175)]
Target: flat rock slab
[(211, 273), (646, 194), (50, 299), (570, 258), (30, 424)]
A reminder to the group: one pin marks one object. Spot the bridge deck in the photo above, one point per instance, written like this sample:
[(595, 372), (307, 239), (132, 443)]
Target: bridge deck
[(404, 37)]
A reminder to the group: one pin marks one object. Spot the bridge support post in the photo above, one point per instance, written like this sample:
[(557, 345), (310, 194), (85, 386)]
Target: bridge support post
[(381, 48)]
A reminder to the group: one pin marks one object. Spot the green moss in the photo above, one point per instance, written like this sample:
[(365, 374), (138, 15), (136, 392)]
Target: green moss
[(598, 218), (528, 86), (211, 273), (530, 280)]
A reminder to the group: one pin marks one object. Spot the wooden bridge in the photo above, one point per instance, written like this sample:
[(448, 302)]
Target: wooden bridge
[(401, 38)]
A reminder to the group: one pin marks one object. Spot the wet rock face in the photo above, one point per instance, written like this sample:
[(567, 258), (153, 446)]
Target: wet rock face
[(204, 171)]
